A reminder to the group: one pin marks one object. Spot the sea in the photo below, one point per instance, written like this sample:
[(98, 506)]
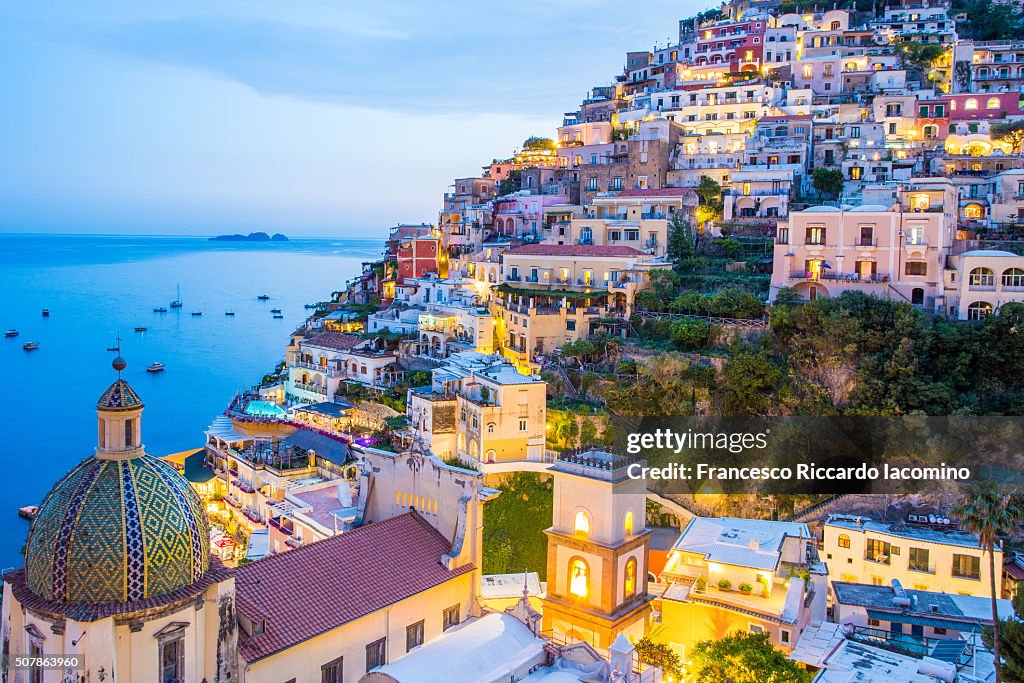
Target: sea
[(98, 289)]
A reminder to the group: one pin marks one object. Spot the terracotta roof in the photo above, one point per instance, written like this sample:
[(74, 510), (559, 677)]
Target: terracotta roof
[(305, 592), (663, 192), (333, 340), (573, 250)]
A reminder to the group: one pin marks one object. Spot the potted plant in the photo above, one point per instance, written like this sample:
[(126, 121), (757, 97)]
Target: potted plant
[(746, 588), (724, 584), (701, 584)]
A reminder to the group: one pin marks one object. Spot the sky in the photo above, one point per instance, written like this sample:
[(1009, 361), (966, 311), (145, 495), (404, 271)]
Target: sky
[(310, 118)]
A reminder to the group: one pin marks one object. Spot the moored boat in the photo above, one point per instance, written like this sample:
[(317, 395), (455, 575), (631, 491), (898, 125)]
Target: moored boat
[(229, 313), (177, 301), (275, 310), (46, 312), (159, 309), (197, 313), (140, 329), (155, 367), (278, 316), (264, 297), (11, 333), (30, 346), (28, 512)]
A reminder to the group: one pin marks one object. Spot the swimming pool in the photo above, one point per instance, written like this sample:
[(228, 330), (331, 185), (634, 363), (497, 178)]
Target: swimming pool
[(264, 409)]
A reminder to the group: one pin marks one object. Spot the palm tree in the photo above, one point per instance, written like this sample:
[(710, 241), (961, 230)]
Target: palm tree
[(989, 512)]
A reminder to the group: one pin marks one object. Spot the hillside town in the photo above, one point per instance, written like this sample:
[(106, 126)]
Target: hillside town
[(427, 488)]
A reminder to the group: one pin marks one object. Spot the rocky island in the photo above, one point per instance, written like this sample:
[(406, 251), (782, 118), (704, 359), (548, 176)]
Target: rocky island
[(251, 237)]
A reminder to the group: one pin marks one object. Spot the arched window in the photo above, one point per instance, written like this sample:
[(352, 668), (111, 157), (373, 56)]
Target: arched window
[(844, 541), (917, 296), (982, 277), (490, 427), (579, 578), (1013, 277), (973, 211), (979, 310), (992, 103), (129, 433), (581, 525), (983, 72), (971, 103), (629, 579), (931, 131), (836, 25), (627, 523)]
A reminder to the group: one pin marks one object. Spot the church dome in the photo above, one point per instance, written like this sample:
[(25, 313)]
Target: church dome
[(120, 527)]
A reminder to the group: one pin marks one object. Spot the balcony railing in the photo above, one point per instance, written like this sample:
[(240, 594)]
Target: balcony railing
[(838, 277), (312, 388), (280, 527), (330, 371)]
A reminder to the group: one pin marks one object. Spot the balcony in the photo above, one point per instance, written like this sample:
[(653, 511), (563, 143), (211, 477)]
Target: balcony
[(311, 388), (280, 527), (852, 278), (316, 367)]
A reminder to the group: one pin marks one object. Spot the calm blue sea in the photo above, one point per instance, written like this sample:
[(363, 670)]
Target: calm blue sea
[(98, 286)]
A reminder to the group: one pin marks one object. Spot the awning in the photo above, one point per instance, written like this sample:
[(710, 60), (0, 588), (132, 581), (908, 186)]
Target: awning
[(336, 408), (195, 468), (223, 429), (324, 446), (920, 620)]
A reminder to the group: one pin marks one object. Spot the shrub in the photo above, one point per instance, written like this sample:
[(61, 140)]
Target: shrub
[(746, 588), (724, 584), (689, 335)]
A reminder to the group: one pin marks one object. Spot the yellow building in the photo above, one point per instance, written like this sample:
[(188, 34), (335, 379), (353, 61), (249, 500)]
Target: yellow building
[(924, 556), (480, 410), (597, 551)]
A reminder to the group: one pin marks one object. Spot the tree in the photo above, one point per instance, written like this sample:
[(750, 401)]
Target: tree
[(989, 512), (751, 382), (1011, 642), (827, 181), (709, 193), (689, 334), (743, 657), (680, 239), (917, 55), (660, 655), (535, 142), (1011, 132)]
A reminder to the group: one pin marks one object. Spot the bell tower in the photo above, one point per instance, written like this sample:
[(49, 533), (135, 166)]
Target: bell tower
[(119, 418), (598, 549)]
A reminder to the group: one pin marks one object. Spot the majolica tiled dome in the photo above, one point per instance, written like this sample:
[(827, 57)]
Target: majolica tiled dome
[(117, 529)]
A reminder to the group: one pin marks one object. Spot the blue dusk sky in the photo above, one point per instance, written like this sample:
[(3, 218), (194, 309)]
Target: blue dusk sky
[(311, 118)]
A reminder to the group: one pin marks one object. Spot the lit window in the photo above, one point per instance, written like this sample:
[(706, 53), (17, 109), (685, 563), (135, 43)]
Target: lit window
[(992, 103), (578, 578), (629, 580), (979, 310), (982, 277), (844, 541), (1013, 277), (582, 524), (627, 524), (971, 103)]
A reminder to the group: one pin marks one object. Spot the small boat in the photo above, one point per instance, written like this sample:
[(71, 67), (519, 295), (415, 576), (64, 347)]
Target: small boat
[(140, 329), (30, 346), (155, 367), (11, 333), (177, 302), (230, 313), (275, 310), (46, 312), (309, 306), (278, 316), (160, 309), (113, 348), (197, 313), (28, 512), (264, 297)]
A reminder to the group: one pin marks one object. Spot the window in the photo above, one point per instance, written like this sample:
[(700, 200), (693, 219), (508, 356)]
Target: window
[(979, 310), (992, 103), (940, 111), (522, 424), (413, 635), (579, 578), (874, 622), (35, 650), (808, 71), (785, 637), (627, 523), (581, 524), (844, 541), (172, 661), (815, 234), (867, 236), (916, 268), (894, 110), (331, 672), (616, 183), (939, 631), (967, 566), (971, 103), (854, 132), (918, 560), (641, 182), (1013, 277), (129, 436), (982, 277), (755, 628), (922, 111), (376, 654), (877, 551), (451, 617), (629, 578), (592, 184), (855, 172)]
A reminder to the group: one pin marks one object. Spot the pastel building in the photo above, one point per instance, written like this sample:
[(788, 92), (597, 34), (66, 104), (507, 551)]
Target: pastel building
[(924, 557), (322, 364), (725, 574), (632, 218), (980, 281), (479, 409)]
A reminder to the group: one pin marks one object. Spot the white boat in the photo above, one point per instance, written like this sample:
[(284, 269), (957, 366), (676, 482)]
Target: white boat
[(11, 333), (28, 512), (155, 367), (177, 301), (30, 346)]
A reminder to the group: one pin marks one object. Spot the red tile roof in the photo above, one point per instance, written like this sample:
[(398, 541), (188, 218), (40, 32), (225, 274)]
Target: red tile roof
[(305, 592), (663, 192), (333, 340), (573, 250)]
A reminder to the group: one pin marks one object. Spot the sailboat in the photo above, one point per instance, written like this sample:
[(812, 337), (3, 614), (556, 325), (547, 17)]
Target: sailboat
[(177, 301)]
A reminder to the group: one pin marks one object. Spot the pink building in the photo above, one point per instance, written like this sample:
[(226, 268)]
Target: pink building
[(996, 105), (522, 214)]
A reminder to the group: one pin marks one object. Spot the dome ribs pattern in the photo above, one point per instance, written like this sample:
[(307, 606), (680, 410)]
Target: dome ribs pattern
[(67, 527), (135, 549), (119, 396), (117, 532)]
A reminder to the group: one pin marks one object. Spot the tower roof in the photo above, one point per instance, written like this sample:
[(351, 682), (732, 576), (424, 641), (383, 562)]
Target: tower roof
[(119, 396)]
